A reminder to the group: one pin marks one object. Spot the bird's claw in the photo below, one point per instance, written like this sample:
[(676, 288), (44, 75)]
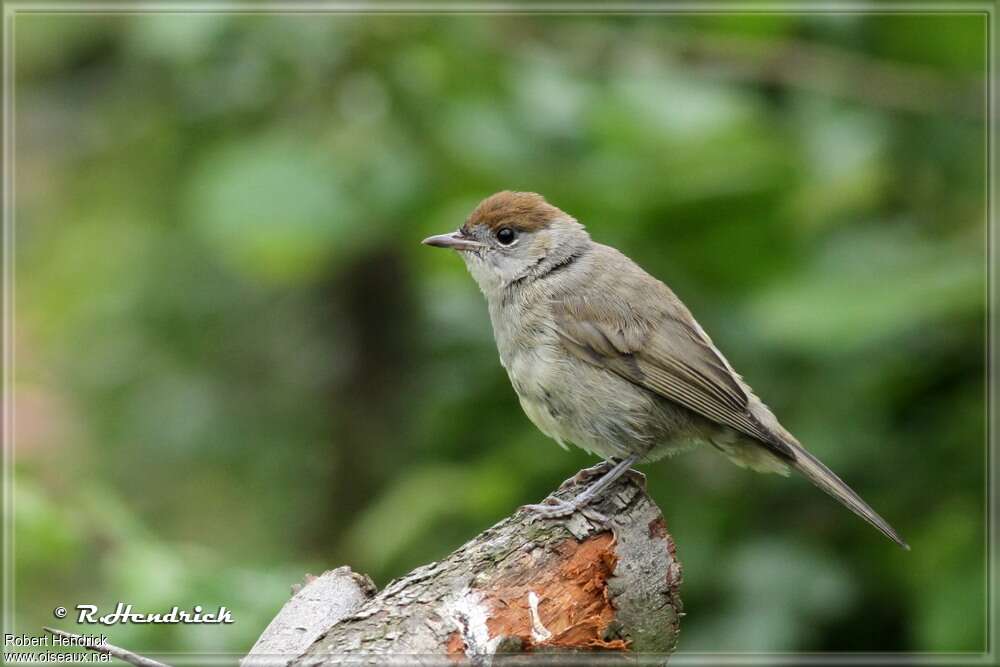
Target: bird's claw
[(552, 508), (586, 475), (637, 476)]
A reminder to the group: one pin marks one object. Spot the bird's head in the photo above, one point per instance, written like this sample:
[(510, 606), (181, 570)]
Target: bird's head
[(512, 237)]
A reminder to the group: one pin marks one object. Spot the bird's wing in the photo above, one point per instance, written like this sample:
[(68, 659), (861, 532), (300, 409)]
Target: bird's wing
[(664, 351), (655, 343)]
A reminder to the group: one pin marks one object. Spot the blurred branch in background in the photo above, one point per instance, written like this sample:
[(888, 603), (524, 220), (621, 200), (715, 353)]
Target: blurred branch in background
[(837, 72), (108, 649)]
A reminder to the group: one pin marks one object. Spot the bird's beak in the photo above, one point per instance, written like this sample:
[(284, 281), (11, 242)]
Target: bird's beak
[(455, 241)]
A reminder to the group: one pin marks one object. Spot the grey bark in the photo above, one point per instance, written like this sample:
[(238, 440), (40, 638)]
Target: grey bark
[(317, 605), (582, 586)]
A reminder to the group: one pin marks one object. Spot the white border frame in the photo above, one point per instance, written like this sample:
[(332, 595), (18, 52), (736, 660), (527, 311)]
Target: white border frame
[(12, 9)]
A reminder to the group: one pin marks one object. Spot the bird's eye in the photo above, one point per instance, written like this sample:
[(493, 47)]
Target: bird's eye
[(506, 235)]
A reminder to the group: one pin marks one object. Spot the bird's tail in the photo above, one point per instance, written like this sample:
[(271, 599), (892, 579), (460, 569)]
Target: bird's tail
[(825, 479)]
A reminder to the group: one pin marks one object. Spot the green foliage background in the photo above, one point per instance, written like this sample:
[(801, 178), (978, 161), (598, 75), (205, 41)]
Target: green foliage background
[(236, 364)]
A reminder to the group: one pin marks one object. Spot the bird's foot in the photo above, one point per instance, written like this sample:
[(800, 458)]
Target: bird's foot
[(553, 508)]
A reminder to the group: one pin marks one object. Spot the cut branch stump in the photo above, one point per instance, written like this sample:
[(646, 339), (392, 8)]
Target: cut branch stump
[(577, 586)]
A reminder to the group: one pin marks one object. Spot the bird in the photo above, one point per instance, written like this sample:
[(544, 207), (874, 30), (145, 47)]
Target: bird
[(603, 355)]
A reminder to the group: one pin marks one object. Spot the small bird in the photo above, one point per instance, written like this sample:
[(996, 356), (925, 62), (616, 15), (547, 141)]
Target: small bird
[(605, 356)]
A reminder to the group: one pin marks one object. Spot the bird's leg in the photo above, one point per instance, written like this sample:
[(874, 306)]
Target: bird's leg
[(560, 508)]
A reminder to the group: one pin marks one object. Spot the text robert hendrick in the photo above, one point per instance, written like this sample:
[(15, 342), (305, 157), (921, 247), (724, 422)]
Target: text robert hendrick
[(123, 614), (86, 641)]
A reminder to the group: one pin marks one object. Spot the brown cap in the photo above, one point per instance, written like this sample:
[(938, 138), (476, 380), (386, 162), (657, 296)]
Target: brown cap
[(523, 211)]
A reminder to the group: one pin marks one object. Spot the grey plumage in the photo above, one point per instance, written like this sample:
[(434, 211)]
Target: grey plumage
[(605, 356)]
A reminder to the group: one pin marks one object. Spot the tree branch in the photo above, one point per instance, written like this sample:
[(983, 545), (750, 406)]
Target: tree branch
[(525, 585)]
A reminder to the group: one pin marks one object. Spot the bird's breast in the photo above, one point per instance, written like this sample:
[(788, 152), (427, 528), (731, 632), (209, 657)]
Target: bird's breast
[(537, 378), (529, 351)]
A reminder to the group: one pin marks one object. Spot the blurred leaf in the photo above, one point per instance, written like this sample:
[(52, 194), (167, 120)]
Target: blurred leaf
[(271, 207), (870, 285)]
